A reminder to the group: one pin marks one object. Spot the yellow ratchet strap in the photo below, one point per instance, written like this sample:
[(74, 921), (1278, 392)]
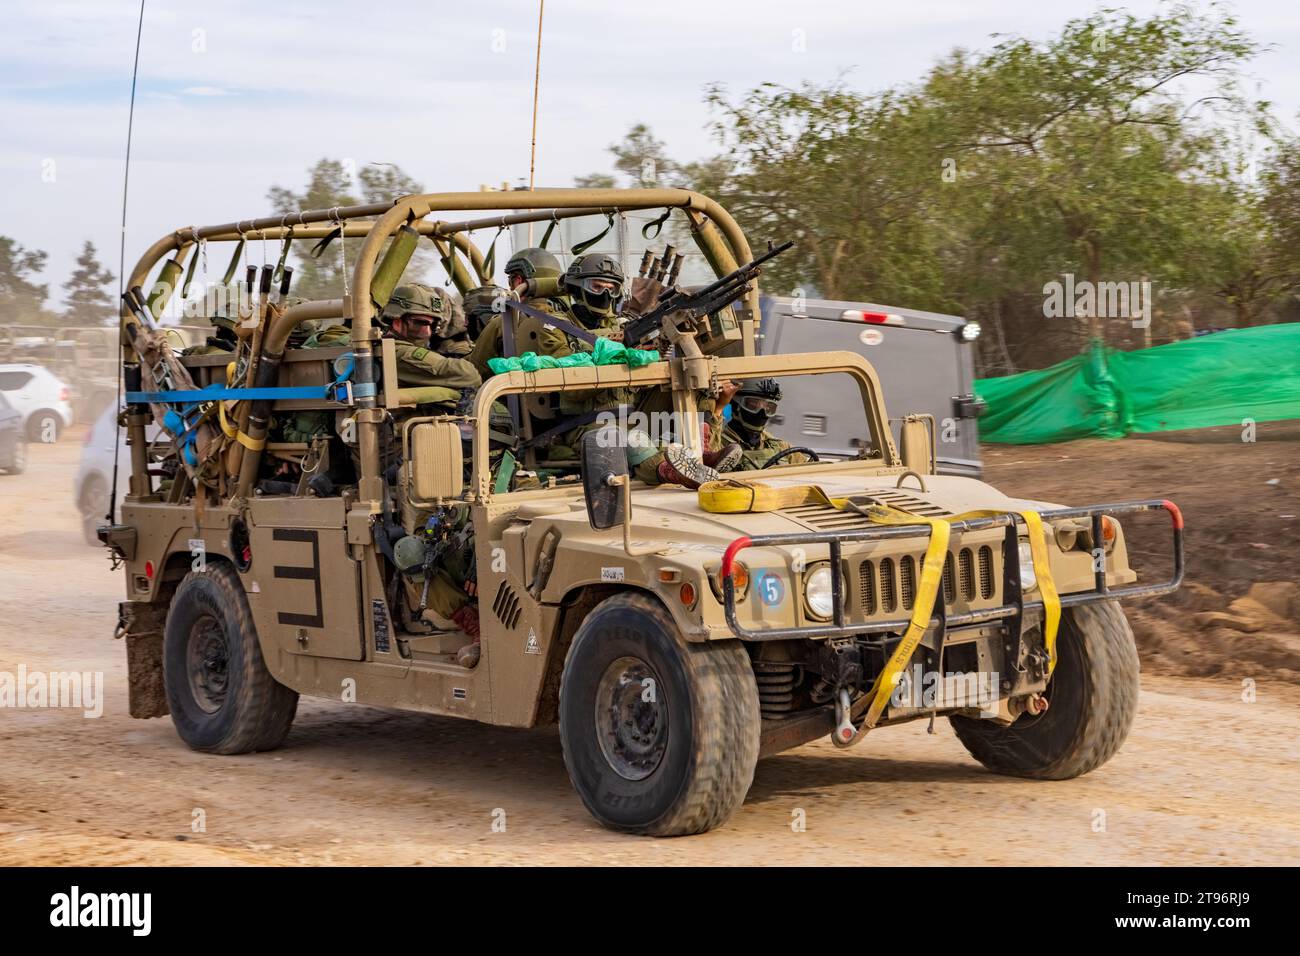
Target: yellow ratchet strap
[(731, 496)]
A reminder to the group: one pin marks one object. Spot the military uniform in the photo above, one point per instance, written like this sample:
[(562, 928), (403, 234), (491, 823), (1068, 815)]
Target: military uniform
[(749, 429)]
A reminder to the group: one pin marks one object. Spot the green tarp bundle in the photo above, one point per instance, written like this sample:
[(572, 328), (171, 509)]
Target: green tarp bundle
[(1219, 379), (607, 352)]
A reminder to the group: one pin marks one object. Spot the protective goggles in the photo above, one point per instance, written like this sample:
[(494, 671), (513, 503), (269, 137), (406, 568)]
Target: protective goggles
[(753, 404)]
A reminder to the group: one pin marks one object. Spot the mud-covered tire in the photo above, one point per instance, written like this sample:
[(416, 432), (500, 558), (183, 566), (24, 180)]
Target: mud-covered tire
[(704, 722), (1092, 699), (221, 696)]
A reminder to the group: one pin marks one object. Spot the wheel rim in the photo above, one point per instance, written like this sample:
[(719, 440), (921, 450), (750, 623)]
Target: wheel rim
[(48, 425), (207, 663), (631, 718)]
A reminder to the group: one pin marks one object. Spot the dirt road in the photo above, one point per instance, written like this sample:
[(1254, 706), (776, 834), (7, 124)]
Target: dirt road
[(1205, 777)]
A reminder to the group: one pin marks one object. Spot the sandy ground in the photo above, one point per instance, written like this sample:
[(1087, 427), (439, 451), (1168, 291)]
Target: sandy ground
[(1205, 778)]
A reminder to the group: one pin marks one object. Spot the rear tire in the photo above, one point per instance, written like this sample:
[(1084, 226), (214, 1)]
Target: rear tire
[(42, 422), (221, 696), (679, 762), (1092, 699), (18, 457)]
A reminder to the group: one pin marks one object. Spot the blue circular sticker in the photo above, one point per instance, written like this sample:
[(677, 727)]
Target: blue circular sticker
[(771, 589)]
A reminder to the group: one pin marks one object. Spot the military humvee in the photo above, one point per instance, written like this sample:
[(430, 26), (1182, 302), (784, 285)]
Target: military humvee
[(674, 641)]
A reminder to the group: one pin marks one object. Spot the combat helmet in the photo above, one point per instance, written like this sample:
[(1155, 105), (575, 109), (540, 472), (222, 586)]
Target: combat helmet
[(755, 402), (533, 263), (413, 300), (582, 275)]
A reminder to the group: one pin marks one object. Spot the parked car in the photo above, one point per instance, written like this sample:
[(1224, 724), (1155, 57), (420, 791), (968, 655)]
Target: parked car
[(42, 398), (13, 443)]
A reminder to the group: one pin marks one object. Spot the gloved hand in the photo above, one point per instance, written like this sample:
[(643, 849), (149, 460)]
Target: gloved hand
[(644, 296)]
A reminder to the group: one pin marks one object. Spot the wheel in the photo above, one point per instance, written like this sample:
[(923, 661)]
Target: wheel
[(93, 507), (44, 426), (221, 696), (1092, 698), (17, 460), (660, 737)]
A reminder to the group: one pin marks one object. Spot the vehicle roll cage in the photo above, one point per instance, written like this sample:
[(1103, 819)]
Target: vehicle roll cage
[(715, 232)]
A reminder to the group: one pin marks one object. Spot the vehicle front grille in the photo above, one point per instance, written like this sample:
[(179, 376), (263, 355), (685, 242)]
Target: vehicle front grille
[(888, 585)]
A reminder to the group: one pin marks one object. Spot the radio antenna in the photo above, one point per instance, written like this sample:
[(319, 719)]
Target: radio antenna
[(537, 81), (121, 257)]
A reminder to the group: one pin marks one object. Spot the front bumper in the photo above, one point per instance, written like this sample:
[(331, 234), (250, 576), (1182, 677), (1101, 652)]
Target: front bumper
[(1014, 606)]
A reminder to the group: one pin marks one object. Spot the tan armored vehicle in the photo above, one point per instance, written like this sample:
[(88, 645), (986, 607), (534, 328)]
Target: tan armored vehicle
[(676, 635)]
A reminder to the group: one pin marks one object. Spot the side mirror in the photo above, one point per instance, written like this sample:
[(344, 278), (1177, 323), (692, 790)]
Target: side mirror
[(435, 466), (916, 444), (604, 461)]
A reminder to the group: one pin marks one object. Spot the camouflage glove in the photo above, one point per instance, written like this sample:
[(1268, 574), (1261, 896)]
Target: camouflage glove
[(645, 295)]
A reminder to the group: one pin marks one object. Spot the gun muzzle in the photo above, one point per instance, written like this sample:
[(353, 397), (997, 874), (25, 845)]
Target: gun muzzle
[(285, 279), (676, 270), (645, 264)]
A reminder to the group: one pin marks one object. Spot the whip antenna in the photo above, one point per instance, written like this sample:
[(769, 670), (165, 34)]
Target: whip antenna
[(537, 80), (121, 258)]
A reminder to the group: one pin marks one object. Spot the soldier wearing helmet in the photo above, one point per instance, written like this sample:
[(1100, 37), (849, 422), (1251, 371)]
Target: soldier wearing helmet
[(450, 333), (752, 405), (533, 275), (595, 286), (410, 317), (223, 310)]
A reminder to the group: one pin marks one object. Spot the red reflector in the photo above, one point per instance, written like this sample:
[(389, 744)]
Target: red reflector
[(874, 318), (148, 570), (64, 394)]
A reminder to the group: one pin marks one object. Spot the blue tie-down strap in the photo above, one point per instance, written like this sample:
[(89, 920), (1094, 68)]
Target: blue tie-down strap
[(183, 429), (340, 390)]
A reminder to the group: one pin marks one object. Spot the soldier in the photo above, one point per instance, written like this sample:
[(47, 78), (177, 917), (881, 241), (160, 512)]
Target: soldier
[(481, 305), (410, 317), (753, 403), (222, 316), (450, 335), (525, 265)]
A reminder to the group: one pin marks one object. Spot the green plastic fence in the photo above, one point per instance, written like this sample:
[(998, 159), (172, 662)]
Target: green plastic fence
[(1219, 379)]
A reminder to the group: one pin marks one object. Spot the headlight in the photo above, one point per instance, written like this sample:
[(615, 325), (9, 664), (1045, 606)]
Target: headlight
[(1028, 579), (970, 331), (818, 593)]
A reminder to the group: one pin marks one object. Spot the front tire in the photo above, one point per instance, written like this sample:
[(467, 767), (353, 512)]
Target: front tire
[(221, 696), (660, 736), (94, 508), (1092, 699)]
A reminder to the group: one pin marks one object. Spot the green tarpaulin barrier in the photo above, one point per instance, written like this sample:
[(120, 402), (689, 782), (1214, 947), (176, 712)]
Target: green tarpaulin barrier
[(1219, 379)]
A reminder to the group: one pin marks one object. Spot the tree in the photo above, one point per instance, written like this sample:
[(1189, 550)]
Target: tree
[(21, 299), (330, 184), (87, 300), (1092, 133)]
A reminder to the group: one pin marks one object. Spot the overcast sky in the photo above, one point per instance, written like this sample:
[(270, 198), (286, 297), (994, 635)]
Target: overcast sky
[(237, 96)]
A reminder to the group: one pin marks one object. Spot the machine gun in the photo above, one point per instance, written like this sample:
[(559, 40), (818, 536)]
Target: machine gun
[(683, 308)]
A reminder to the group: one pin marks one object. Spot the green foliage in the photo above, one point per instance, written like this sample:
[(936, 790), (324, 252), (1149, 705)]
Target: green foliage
[(330, 184), (88, 302), (21, 298), (1114, 150)]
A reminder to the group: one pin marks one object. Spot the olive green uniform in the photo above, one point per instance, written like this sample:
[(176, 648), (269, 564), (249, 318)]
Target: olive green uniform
[(756, 453)]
